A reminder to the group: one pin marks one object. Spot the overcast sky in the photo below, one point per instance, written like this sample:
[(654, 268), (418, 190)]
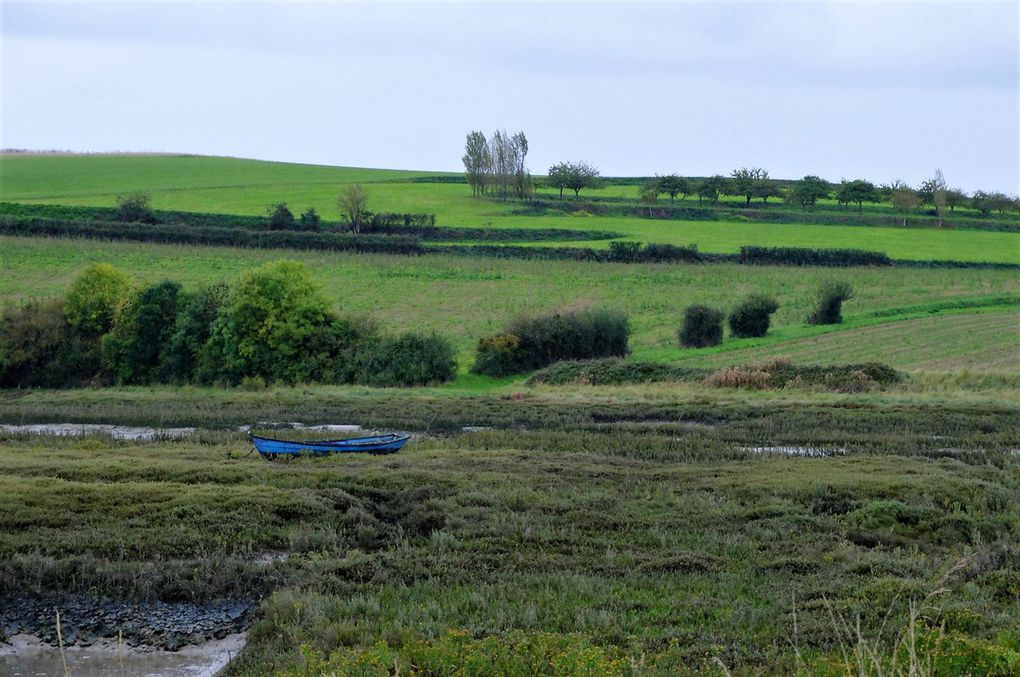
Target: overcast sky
[(844, 90)]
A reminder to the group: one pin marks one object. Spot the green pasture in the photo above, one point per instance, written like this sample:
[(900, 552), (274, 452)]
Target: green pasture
[(466, 298), (234, 186)]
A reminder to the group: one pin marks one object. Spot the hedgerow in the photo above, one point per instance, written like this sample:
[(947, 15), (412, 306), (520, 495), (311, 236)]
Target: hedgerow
[(210, 235), (779, 373), (803, 256)]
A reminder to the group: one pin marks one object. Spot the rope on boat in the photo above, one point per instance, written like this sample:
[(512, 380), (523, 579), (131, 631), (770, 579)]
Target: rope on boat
[(237, 458)]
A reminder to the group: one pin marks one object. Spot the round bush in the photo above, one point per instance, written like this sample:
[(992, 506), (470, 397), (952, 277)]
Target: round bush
[(831, 296), (753, 316), (702, 327)]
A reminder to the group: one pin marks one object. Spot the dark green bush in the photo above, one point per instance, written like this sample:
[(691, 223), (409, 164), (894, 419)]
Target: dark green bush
[(135, 208), (274, 325), (576, 335), (38, 348), (135, 349), (634, 252), (829, 307), (281, 218), (498, 355), (411, 359), (805, 256), (186, 356), (753, 316), (310, 219), (209, 235), (702, 327)]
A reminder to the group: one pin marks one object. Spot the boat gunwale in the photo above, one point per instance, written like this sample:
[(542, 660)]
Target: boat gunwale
[(388, 438)]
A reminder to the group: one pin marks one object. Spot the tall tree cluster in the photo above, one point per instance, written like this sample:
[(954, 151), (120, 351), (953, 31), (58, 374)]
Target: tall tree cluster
[(497, 166)]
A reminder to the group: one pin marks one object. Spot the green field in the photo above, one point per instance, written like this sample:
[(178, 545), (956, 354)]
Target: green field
[(664, 528), (233, 186), (466, 298)]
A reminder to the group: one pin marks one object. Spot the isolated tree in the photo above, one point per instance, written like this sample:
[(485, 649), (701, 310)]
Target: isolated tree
[(709, 188), (857, 192), (809, 190), (744, 181), (903, 200), (353, 206), (673, 185), (280, 217), (135, 208), (933, 192), (557, 178), (574, 175), (477, 162)]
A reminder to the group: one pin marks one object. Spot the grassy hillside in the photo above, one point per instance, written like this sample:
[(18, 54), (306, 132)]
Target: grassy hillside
[(465, 298), (235, 186)]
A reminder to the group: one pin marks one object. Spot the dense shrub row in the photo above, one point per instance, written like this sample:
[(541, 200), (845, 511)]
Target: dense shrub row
[(613, 371), (768, 375), (625, 207), (421, 226), (76, 213), (210, 235), (618, 252), (272, 326), (251, 231), (529, 343), (782, 373), (804, 256), (457, 233)]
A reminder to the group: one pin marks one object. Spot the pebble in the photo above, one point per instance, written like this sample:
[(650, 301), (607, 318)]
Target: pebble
[(84, 620)]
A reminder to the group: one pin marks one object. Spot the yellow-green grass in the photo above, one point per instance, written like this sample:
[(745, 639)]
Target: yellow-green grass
[(235, 186), (985, 342), (466, 298)]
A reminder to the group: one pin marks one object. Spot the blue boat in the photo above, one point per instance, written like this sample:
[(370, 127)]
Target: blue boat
[(376, 444)]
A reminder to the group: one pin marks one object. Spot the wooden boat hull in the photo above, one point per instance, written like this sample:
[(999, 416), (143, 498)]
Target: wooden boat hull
[(377, 444)]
